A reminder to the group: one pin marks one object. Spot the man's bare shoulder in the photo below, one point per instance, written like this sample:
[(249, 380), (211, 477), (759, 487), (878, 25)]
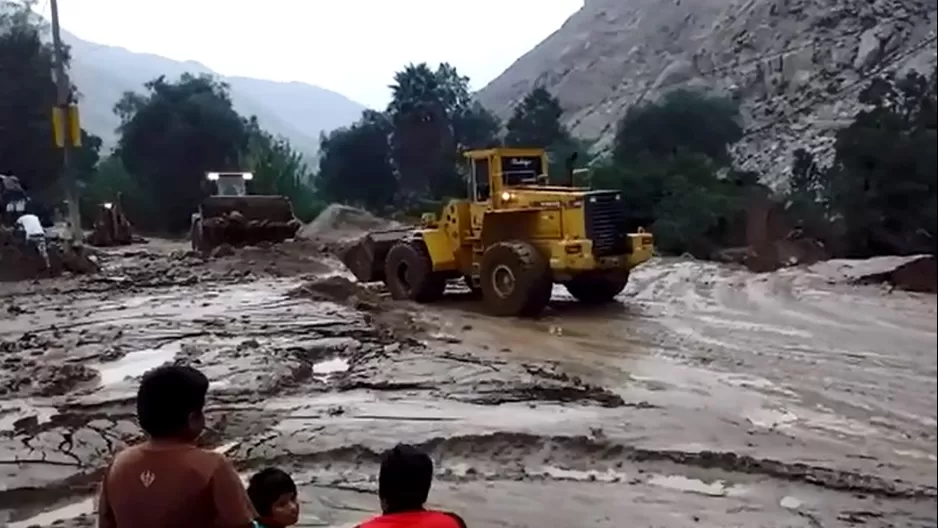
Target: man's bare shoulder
[(203, 460)]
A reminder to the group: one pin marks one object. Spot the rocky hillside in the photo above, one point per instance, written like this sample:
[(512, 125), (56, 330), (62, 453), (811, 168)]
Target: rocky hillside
[(796, 65), (296, 111)]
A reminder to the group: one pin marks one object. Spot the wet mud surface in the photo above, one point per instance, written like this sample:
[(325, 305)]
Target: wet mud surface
[(707, 396)]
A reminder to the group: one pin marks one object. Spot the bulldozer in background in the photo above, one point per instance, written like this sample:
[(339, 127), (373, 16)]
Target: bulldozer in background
[(511, 240), (111, 227), (231, 216)]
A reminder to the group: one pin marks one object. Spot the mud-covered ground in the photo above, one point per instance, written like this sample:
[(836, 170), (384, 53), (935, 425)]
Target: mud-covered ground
[(707, 396)]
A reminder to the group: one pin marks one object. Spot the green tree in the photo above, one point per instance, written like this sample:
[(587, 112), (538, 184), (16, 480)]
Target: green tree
[(683, 120), (535, 122), (280, 169), (173, 135), (27, 96), (110, 182), (476, 128), (883, 183), (424, 106), (670, 170), (355, 164), (87, 157)]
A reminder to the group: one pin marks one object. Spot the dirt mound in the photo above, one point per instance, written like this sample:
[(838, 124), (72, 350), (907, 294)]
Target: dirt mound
[(916, 274), (336, 289), (286, 259), (765, 239), (339, 223), (20, 261)]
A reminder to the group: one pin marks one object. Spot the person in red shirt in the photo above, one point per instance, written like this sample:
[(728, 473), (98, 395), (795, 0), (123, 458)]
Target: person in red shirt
[(403, 487), (167, 481)]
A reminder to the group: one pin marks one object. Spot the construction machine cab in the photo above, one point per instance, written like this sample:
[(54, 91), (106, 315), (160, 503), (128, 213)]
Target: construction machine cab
[(230, 183), (493, 172)]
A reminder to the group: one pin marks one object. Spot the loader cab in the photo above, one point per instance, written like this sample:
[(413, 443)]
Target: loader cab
[(230, 183), (493, 172)]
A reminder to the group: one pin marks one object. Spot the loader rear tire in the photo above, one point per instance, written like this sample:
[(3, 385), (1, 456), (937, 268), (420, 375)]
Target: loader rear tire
[(409, 276), (515, 279), (597, 289)]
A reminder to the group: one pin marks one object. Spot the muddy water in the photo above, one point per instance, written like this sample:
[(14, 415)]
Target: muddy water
[(706, 397)]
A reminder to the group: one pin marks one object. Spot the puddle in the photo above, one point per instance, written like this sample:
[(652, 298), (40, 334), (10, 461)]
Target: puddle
[(590, 475), (769, 418), (330, 366), (921, 455), (64, 513), (717, 488), (136, 363)]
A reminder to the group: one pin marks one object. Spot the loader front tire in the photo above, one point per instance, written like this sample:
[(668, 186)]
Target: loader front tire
[(598, 289), (515, 279), (409, 276)]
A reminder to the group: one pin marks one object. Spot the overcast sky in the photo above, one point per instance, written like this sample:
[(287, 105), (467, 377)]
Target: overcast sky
[(350, 46)]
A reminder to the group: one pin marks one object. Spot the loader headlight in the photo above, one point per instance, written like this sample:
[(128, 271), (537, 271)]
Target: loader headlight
[(108, 205), (507, 196), (213, 176), (248, 176)]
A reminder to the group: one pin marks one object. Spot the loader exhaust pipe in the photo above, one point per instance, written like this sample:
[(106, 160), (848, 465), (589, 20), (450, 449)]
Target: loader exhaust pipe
[(570, 172)]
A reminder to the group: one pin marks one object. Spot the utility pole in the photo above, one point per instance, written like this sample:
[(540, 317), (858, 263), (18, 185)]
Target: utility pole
[(64, 103)]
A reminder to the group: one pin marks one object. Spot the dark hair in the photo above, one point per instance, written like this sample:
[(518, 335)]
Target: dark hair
[(404, 479), (268, 485), (167, 396)]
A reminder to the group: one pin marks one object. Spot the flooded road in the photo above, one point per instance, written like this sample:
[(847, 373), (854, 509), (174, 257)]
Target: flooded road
[(707, 396)]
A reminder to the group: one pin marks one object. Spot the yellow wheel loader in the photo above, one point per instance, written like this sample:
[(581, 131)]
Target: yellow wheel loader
[(231, 216), (511, 240)]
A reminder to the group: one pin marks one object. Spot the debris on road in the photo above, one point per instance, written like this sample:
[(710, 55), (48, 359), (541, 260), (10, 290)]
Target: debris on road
[(21, 261), (917, 274), (696, 397)]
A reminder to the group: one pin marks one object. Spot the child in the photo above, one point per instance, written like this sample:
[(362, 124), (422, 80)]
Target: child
[(274, 496), (167, 480)]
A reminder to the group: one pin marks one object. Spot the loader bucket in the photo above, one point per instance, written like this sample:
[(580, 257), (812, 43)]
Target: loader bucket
[(246, 220), (365, 259), (270, 208)]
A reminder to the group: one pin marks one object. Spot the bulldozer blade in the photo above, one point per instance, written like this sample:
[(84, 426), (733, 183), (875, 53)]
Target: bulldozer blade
[(365, 259), (247, 220), (252, 207)]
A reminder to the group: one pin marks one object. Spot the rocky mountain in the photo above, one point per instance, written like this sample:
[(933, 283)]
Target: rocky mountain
[(294, 110), (795, 65)]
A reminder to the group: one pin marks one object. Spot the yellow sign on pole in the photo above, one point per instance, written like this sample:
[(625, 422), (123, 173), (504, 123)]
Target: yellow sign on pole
[(74, 126)]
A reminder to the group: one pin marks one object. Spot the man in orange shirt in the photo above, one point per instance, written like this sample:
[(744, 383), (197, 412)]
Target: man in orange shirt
[(167, 481), (403, 487)]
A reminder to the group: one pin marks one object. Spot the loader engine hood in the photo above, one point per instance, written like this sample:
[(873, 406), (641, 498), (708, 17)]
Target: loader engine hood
[(252, 207)]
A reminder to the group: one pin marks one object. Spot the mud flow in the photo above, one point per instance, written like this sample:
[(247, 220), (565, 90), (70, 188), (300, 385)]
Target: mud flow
[(705, 396)]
